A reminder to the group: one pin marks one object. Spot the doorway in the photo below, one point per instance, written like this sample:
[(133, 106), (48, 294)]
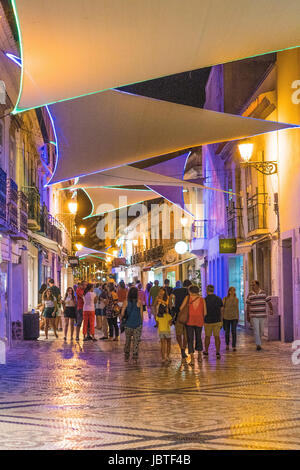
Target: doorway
[(288, 304), (236, 279)]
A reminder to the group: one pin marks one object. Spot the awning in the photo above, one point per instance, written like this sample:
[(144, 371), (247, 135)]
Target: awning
[(97, 45), (176, 264), (45, 242), (112, 129), (245, 247)]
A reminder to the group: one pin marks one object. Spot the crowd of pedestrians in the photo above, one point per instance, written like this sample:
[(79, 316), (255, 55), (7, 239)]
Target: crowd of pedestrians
[(114, 309)]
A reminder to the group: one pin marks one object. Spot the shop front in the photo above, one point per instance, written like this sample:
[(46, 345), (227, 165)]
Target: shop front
[(33, 271), (236, 279)]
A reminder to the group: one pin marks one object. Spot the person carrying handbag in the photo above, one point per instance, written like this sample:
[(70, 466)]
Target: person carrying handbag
[(112, 313), (230, 317), (163, 323), (132, 321), (192, 313)]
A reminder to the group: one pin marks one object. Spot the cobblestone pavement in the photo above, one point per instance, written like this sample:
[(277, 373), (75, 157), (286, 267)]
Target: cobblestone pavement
[(56, 395)]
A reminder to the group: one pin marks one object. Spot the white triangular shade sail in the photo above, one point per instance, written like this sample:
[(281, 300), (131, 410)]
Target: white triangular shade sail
[(129, 175), (110, 199), (111, 129), (84, 251), (100, 44), (174, 169)]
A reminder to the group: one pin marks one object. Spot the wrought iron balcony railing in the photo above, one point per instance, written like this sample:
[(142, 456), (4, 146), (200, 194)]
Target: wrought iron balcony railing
[(12, 205), (200, 229), (22, 213), (257, 211), (34, 198), (234, 221), (3, 196)]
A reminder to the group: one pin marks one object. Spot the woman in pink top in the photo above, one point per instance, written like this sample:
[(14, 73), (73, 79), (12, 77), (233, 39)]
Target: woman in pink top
[(142, 296), (122, 293), (194, 325)]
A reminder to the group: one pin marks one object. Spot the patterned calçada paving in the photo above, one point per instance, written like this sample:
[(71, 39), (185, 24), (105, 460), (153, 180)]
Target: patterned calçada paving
[(56, 395)]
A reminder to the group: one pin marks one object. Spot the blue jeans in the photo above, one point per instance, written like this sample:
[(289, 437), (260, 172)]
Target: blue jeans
[(194, 333), (230, 324)]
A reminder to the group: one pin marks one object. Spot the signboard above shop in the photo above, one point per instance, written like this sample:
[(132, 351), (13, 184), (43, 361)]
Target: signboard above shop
[(73, 261), (227, 245)]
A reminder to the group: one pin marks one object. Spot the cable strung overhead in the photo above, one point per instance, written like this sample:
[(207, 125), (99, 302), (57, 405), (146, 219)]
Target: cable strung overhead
[(110, 129), (100, 44)]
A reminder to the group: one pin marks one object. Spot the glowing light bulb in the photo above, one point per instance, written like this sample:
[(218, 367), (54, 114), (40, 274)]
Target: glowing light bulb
[(181, 247), (246, 151), (73, 207), (184, 221), (82, 230)]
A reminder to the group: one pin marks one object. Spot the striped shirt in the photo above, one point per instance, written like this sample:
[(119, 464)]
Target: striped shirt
[(257, 303)]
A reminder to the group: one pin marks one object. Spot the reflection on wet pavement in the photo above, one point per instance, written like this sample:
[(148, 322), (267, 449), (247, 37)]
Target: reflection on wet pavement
[(56, 395)]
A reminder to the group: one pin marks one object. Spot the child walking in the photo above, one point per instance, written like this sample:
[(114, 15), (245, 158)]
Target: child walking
[(164, 322)]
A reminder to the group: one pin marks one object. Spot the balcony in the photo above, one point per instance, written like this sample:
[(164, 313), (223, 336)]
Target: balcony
[(33, 196), (234, 221), (153, 254), (12, 205), (199, 242), (3, 192), (257, 214), (50, 227), (13, 208), (22, 214)]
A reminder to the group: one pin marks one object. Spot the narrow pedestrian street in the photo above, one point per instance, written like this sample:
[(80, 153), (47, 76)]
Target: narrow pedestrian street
[(150, 228), (60, 395)]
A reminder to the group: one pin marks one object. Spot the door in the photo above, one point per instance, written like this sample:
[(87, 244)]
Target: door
[(288, 304), (4, 318), (236, 279)]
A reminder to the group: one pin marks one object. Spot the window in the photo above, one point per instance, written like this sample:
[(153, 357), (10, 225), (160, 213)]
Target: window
[(12, 157)]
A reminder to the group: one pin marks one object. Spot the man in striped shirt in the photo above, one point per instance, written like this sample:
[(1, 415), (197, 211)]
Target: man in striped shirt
[(257, 302)]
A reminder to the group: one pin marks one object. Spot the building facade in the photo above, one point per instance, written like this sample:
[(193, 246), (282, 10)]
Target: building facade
[(34, 244), (262, 213)]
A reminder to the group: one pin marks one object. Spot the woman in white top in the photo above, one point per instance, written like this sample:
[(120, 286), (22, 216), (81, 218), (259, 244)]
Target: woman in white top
[(89, 301), (69, 305), (49, 308)]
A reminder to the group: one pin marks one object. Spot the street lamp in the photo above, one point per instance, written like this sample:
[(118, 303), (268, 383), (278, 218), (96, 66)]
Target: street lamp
[(82, 231), (78, 246), (184, 221), (181, 247), (73, 207), (246, 151)]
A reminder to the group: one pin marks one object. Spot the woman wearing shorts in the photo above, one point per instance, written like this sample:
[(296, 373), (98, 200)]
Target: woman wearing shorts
[(49, 309), (69, 304)]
